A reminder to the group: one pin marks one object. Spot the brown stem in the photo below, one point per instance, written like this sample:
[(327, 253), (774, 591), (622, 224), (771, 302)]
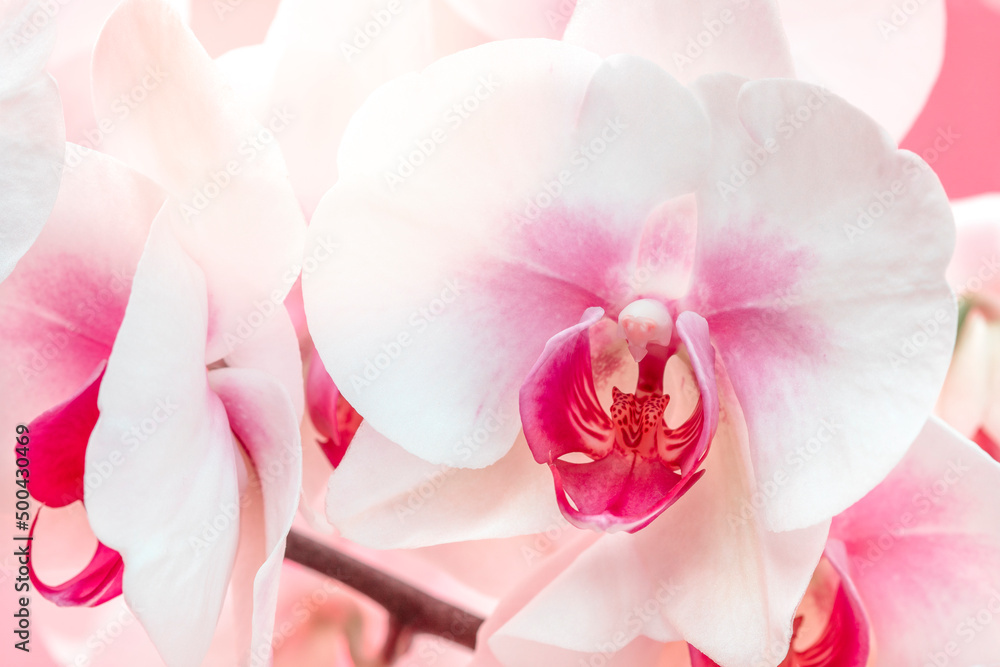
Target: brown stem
[(410, 607)]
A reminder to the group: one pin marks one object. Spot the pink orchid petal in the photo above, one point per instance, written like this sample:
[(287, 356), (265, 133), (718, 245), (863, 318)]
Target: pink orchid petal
[(170, 504), (939, 507), (846, 640), (63, 304), (875, 54), (331, 414), (498, 284), (974, 270), (965, 397), (263, 418), (505, 19), (956, 132), (319, 65), (59, 444), (32, 132), (743, 38), (272, 346), (560, 413), (835, 376), (233, 209), (98, 582), (708, 567), (380, 488)]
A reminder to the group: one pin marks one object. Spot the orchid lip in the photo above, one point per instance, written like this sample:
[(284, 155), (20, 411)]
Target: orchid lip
[(636, 465)]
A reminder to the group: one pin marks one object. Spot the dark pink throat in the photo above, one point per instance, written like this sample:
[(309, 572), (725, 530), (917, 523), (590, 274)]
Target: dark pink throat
[(635, 465)]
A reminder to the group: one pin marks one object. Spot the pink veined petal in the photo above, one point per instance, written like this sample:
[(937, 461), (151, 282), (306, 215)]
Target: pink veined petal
[(330, 412), (170, 505), (860, 51), (620, 488), (496, 273), (797, 290), (59, 444), (383, 497), (506, 19), (939, 507), (263, 418), (746, 39), (32, 132), (231, 204), (97, 583), (65, 300), (710, 570)]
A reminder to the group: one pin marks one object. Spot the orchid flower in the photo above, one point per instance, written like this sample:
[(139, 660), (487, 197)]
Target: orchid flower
[(32, 133), (970, 398), (183, 407), (883, 57), (551, 259), (886, 591)]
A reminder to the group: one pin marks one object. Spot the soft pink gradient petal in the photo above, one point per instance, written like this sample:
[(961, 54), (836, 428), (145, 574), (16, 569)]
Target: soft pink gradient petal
[(836, 329), (334, 418), (261, 415), (709, 568), (32, 132), (505, 19), (382, 496), (743, 38), (311, 68), (63, 304), (471, 280), (233, 208), (877, 54), (940, 507), (170, 504)]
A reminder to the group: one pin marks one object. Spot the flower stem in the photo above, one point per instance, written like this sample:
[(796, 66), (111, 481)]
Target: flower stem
[(410, 607)]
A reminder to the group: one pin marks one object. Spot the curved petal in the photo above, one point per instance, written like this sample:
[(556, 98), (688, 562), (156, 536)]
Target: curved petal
[(687, 39), (823, 285), (974, 268), (233, 208), (880, 56), (63, 304), (263, 418), (707, 570), (98, 582), (32, 132), (939, 507), (169, 503), (505, 233), (59, 444), (383, 497)]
